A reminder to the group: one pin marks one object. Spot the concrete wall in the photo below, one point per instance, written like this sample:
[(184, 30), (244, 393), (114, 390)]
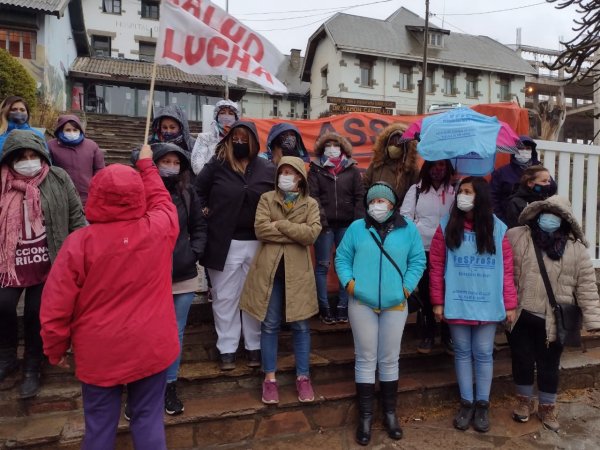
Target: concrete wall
[(260, 105), (125, 29)]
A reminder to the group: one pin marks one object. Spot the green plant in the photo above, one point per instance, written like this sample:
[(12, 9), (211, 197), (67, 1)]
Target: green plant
[(44, 115), (15, 80)]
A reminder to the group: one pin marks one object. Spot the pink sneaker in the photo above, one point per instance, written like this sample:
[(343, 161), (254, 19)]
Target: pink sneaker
[(305, 390), (270, 393)]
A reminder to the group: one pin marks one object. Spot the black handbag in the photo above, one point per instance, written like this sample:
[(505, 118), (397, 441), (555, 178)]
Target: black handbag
[(413, 301), (568, 317)]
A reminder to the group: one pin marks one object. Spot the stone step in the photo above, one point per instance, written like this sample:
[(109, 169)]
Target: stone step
[(215, 419)]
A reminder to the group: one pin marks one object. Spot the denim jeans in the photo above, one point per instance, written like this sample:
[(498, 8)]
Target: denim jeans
[(270, 333), (377, 339), (474, 342), (323, 246), (182, 308)]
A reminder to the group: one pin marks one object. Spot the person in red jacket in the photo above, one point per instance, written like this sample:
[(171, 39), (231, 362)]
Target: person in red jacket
[(471, 287), (108, 296)]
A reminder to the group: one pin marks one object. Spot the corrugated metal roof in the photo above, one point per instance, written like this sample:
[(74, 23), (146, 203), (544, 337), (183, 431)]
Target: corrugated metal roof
[(390, 38), (140, 70), (288, 75), (50, 6)]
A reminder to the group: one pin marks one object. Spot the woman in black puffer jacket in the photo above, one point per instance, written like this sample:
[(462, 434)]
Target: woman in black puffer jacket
[(536, 184)]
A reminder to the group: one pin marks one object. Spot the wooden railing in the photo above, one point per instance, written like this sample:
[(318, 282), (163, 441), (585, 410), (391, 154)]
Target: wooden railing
[(575, 169)]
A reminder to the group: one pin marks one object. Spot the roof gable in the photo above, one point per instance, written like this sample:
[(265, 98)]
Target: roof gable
[(55, 7)]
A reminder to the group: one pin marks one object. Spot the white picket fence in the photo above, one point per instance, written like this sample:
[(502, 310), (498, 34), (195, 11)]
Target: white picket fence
[(575, 169)]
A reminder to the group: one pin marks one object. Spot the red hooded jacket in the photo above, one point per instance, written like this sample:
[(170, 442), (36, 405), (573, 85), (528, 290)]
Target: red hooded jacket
[(108, 294)]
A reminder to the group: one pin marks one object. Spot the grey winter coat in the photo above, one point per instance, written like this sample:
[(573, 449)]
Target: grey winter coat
[(176, 113)]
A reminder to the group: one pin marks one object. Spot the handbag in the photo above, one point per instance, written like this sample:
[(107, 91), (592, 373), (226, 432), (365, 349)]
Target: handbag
[(568, 317), (413, 301)]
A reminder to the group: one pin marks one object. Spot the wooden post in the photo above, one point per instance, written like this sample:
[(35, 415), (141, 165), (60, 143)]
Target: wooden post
[(150, 102)]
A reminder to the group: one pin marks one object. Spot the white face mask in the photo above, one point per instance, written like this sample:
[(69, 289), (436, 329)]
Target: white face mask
[(287, 183), (28, 167), (523, 156), (72, 135), (465, 202), (226, 119), (379, 211), (332, 152)]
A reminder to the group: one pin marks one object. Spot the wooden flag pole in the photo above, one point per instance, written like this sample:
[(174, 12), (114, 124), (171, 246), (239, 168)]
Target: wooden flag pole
[(150, 102)]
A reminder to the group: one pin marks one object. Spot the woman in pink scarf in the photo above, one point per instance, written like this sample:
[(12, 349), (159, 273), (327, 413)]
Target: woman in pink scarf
[(39, 207)]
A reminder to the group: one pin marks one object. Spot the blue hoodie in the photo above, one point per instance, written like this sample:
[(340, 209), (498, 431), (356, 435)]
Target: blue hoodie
[(14, 126), (275, 131)]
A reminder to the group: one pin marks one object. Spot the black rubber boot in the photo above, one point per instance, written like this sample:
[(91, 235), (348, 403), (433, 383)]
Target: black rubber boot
[(481, 421), (8, 363), (463, 419), (32, 371), (389, 395), (365, 393)]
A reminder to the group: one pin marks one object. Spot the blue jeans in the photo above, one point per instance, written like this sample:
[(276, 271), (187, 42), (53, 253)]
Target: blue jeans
[(270, 333), (474, 342), (323, 246), (182, 308), (377, 339)]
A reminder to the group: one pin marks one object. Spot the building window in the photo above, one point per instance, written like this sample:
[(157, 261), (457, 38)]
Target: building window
[(435, 39), (275, 108), (406, 78), (504, 88), (20, 44), (111, 6), (472, 80), (366, 73), (429, 82), (305, 110), (101, 45), (150, 9), (324, 86), (449, 83), (147, 50), (293, 109)]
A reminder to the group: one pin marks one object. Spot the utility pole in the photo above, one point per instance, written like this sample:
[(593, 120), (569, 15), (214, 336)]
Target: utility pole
[(226, 77), (423, 86)]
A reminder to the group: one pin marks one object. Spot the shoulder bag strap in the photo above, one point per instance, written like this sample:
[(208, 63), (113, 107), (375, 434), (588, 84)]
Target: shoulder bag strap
[(544, 274), (386, 254), (417, 194)]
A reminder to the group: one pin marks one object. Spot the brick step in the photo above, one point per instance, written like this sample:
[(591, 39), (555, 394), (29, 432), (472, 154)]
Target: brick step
[(215, 419)]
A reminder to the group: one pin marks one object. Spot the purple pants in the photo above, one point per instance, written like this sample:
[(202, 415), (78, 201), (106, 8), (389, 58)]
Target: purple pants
[(102, 410)]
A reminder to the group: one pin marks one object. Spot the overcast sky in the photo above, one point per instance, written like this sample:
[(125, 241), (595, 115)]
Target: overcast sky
[(542, 25)]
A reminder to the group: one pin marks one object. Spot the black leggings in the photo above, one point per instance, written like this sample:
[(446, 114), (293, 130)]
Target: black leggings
[(426, 318), (529, 351), (9, 298)]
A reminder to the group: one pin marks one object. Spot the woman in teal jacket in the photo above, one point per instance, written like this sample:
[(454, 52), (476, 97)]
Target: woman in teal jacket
[(377, 304)]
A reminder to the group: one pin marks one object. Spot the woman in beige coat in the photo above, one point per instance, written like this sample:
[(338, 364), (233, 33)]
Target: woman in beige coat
[(281, 277), (551, 226)]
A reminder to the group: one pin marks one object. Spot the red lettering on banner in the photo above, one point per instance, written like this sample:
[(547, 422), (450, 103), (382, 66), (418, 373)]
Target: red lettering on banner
[(241, 57), (260, 50), (168, 50), (227, 30), (213, 58), (193, 7), (191, 56), (259, 72), (208, 15)]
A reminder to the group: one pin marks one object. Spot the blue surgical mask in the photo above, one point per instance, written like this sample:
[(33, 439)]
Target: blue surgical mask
[(549, 222)]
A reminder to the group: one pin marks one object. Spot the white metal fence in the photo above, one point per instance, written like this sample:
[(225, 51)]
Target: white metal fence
[(575, 169)]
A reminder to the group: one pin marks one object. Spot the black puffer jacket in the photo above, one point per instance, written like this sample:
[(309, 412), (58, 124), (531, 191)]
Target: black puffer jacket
[(340, 196), (225, 193), (193, 228), (519, 200)]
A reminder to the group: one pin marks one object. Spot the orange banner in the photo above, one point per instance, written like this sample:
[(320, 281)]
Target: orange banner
[(362, 129)]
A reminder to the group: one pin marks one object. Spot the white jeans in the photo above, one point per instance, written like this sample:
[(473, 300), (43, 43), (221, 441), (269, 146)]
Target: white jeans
[(226, 290)]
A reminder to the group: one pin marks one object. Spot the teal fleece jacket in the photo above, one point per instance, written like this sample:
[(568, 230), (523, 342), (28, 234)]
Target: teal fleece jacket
[(377, 282)]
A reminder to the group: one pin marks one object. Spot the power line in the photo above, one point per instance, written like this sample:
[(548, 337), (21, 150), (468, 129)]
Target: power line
[(492, 12), (314, 9), (298, 26)]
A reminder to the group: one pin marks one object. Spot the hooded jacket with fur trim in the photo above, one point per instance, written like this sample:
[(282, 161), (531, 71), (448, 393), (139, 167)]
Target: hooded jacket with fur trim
[(571, 277), (340, 196)]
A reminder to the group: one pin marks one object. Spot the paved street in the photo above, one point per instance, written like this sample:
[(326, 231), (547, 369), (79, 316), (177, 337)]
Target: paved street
[(579, 416)]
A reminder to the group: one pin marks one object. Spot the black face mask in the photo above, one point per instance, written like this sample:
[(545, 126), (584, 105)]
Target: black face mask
[(545, 191), (241, 151)]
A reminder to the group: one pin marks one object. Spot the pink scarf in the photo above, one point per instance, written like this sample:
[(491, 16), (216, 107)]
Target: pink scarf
[(14, 188)]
